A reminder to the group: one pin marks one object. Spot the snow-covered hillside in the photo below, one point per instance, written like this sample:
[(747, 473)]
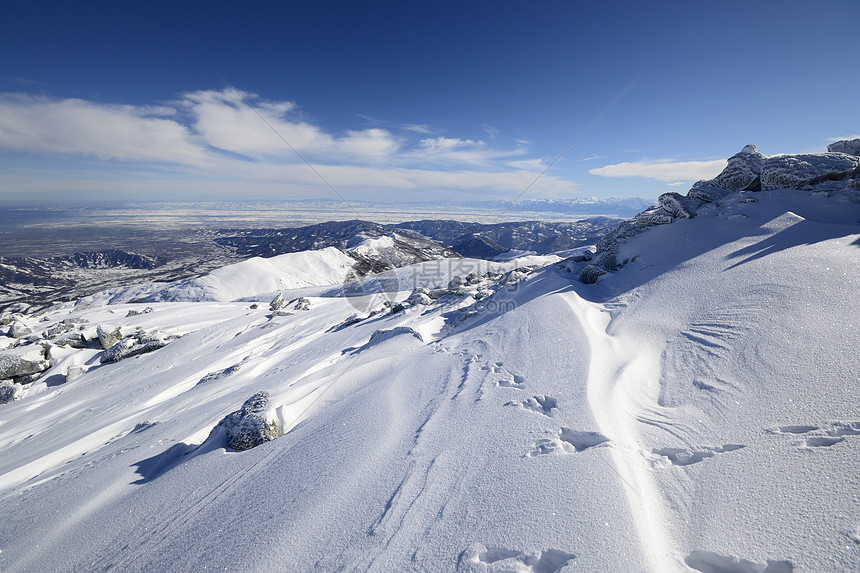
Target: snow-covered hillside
[(695, 408)]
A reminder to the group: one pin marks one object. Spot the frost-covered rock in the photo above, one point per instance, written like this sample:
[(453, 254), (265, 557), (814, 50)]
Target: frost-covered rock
[(108, 335), (795, 171), (678, 206), (247, 427), (607, 247), (19, 330), (590, 274), (849, 146), (741, 172), (18, 363), (139, 344), (456, 282), (708, 194), (9, 391), (301, 304), (647, 219)]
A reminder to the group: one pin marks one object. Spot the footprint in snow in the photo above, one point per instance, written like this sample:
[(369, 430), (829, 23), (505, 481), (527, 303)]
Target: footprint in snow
[(682, 457), (818, 437), (540, 404), (512, 381), (479, 558), (507, 379), (567, 442)]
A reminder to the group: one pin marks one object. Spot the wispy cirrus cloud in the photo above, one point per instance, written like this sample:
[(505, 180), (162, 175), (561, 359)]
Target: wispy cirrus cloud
[(221, 137), (593, 157), (528, 164), (663, 170)]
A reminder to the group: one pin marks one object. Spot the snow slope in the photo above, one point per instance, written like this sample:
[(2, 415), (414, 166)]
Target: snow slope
[(697, 410)]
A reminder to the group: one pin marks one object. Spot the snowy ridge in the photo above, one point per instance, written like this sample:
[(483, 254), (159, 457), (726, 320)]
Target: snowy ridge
[(694, 411), (747, 172)]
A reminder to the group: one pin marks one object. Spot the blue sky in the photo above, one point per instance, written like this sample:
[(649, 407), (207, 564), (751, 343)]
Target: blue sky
[(411, 101)]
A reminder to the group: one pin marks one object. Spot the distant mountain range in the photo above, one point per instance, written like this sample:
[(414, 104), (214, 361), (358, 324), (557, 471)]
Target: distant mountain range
[(373, 247)]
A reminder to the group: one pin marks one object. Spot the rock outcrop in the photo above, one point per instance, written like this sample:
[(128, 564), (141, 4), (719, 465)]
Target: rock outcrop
[(849, 146), (75, 371), (22, 363), (277, 303), (141, 343), (108, 335), (746, 172), (247, 427), (19, 330)]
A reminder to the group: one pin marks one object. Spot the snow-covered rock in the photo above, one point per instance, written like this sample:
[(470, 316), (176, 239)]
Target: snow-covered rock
[(419, 296), (678, 206), (278, 302), (747, 171), (75, 372), (247, 427), (9, 391), (19, 330), (849, 146), (795, 171), (590, 274), (135, 312), (741, 172), (73, 339), (141, 343), (380, 336), (22, 361), (108, 335)]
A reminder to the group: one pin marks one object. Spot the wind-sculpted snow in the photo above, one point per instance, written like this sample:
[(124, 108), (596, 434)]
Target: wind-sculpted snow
[(694, 411)]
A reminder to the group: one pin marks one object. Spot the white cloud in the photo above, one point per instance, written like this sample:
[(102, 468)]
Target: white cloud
[(215, 140), (528, 164), (663, 170), (227, 121), (106, 131), (444, 144)]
